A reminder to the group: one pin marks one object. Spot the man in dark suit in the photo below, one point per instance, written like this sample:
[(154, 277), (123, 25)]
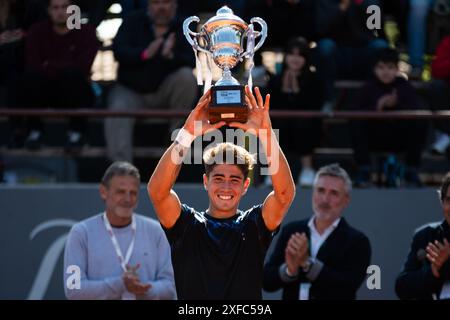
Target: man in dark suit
[(426, 273), (322, 257)]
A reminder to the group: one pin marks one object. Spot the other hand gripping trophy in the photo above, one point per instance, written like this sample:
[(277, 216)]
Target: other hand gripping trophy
[(222, 39)]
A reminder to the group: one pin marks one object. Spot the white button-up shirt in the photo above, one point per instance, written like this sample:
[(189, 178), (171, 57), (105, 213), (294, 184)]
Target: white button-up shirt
[(316, 241)]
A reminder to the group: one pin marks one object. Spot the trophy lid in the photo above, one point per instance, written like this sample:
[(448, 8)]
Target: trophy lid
[(224, 16)]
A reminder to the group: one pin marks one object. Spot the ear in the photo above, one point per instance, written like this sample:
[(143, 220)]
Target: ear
[(246, 185), (205, 181), (103, 192), (347, 200)]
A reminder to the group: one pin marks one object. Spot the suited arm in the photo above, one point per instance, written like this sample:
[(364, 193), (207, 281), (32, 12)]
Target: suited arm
[(275, 276), (350, 275), (416, 280)]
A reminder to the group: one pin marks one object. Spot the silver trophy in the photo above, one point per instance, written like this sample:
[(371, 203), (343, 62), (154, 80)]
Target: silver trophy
[(222, 39)]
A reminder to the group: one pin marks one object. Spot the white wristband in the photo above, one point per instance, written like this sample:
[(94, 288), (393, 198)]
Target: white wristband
[(184, 138)]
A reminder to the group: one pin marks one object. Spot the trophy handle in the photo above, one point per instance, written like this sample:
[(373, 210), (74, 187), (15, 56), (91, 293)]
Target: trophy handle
[(188, 32), (262, 33)]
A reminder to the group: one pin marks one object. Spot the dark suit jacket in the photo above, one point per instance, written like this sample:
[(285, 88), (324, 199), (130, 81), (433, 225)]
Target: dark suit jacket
[(416, 281), (345, 255)]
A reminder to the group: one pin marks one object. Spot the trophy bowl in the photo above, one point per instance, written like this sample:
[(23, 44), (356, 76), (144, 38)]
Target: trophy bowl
[(222, 39)]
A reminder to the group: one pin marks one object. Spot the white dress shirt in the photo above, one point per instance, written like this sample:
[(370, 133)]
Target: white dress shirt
[(316, 241)]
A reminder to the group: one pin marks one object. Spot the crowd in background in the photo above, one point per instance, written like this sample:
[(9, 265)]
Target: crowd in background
[(44, 64)]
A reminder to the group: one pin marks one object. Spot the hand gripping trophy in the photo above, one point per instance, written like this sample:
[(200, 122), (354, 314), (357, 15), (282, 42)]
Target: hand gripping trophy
[(222, 39)]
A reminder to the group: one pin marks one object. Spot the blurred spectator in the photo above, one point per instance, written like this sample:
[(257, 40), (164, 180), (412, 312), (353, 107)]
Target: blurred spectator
[(346, 47), (323, 257), (298, 88), (426, 272), (155, 71), (388, 92), (439, 92), (58, 63), (417, 26)]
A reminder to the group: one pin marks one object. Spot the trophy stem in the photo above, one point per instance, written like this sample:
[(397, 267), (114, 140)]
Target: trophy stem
[(227, 69), (227, 78), (226, 75)]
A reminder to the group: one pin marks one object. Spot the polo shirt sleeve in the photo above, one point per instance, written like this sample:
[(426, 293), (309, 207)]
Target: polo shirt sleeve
[(177, 231), (265, 235)]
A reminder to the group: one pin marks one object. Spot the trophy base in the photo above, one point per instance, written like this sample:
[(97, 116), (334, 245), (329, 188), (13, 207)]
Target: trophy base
[(228, 114), (227, 104)]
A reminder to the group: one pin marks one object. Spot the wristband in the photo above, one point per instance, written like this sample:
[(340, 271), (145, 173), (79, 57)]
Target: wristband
[(184, 138)]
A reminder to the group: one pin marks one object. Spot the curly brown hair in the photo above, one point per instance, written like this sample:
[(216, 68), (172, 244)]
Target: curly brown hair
[(228, 153)]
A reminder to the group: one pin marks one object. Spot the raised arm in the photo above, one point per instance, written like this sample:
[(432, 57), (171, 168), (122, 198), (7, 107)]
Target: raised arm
[(279, 200), (164, 199)]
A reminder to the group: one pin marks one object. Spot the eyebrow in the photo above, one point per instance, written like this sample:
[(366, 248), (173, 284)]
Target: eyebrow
[(223, 176), (324, 188)]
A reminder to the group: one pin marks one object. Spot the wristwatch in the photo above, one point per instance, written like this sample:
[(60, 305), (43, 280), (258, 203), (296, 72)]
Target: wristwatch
[(308, 264), (286, 270)]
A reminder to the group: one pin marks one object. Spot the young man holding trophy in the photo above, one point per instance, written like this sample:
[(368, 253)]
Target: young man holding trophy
[(219, 253)]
